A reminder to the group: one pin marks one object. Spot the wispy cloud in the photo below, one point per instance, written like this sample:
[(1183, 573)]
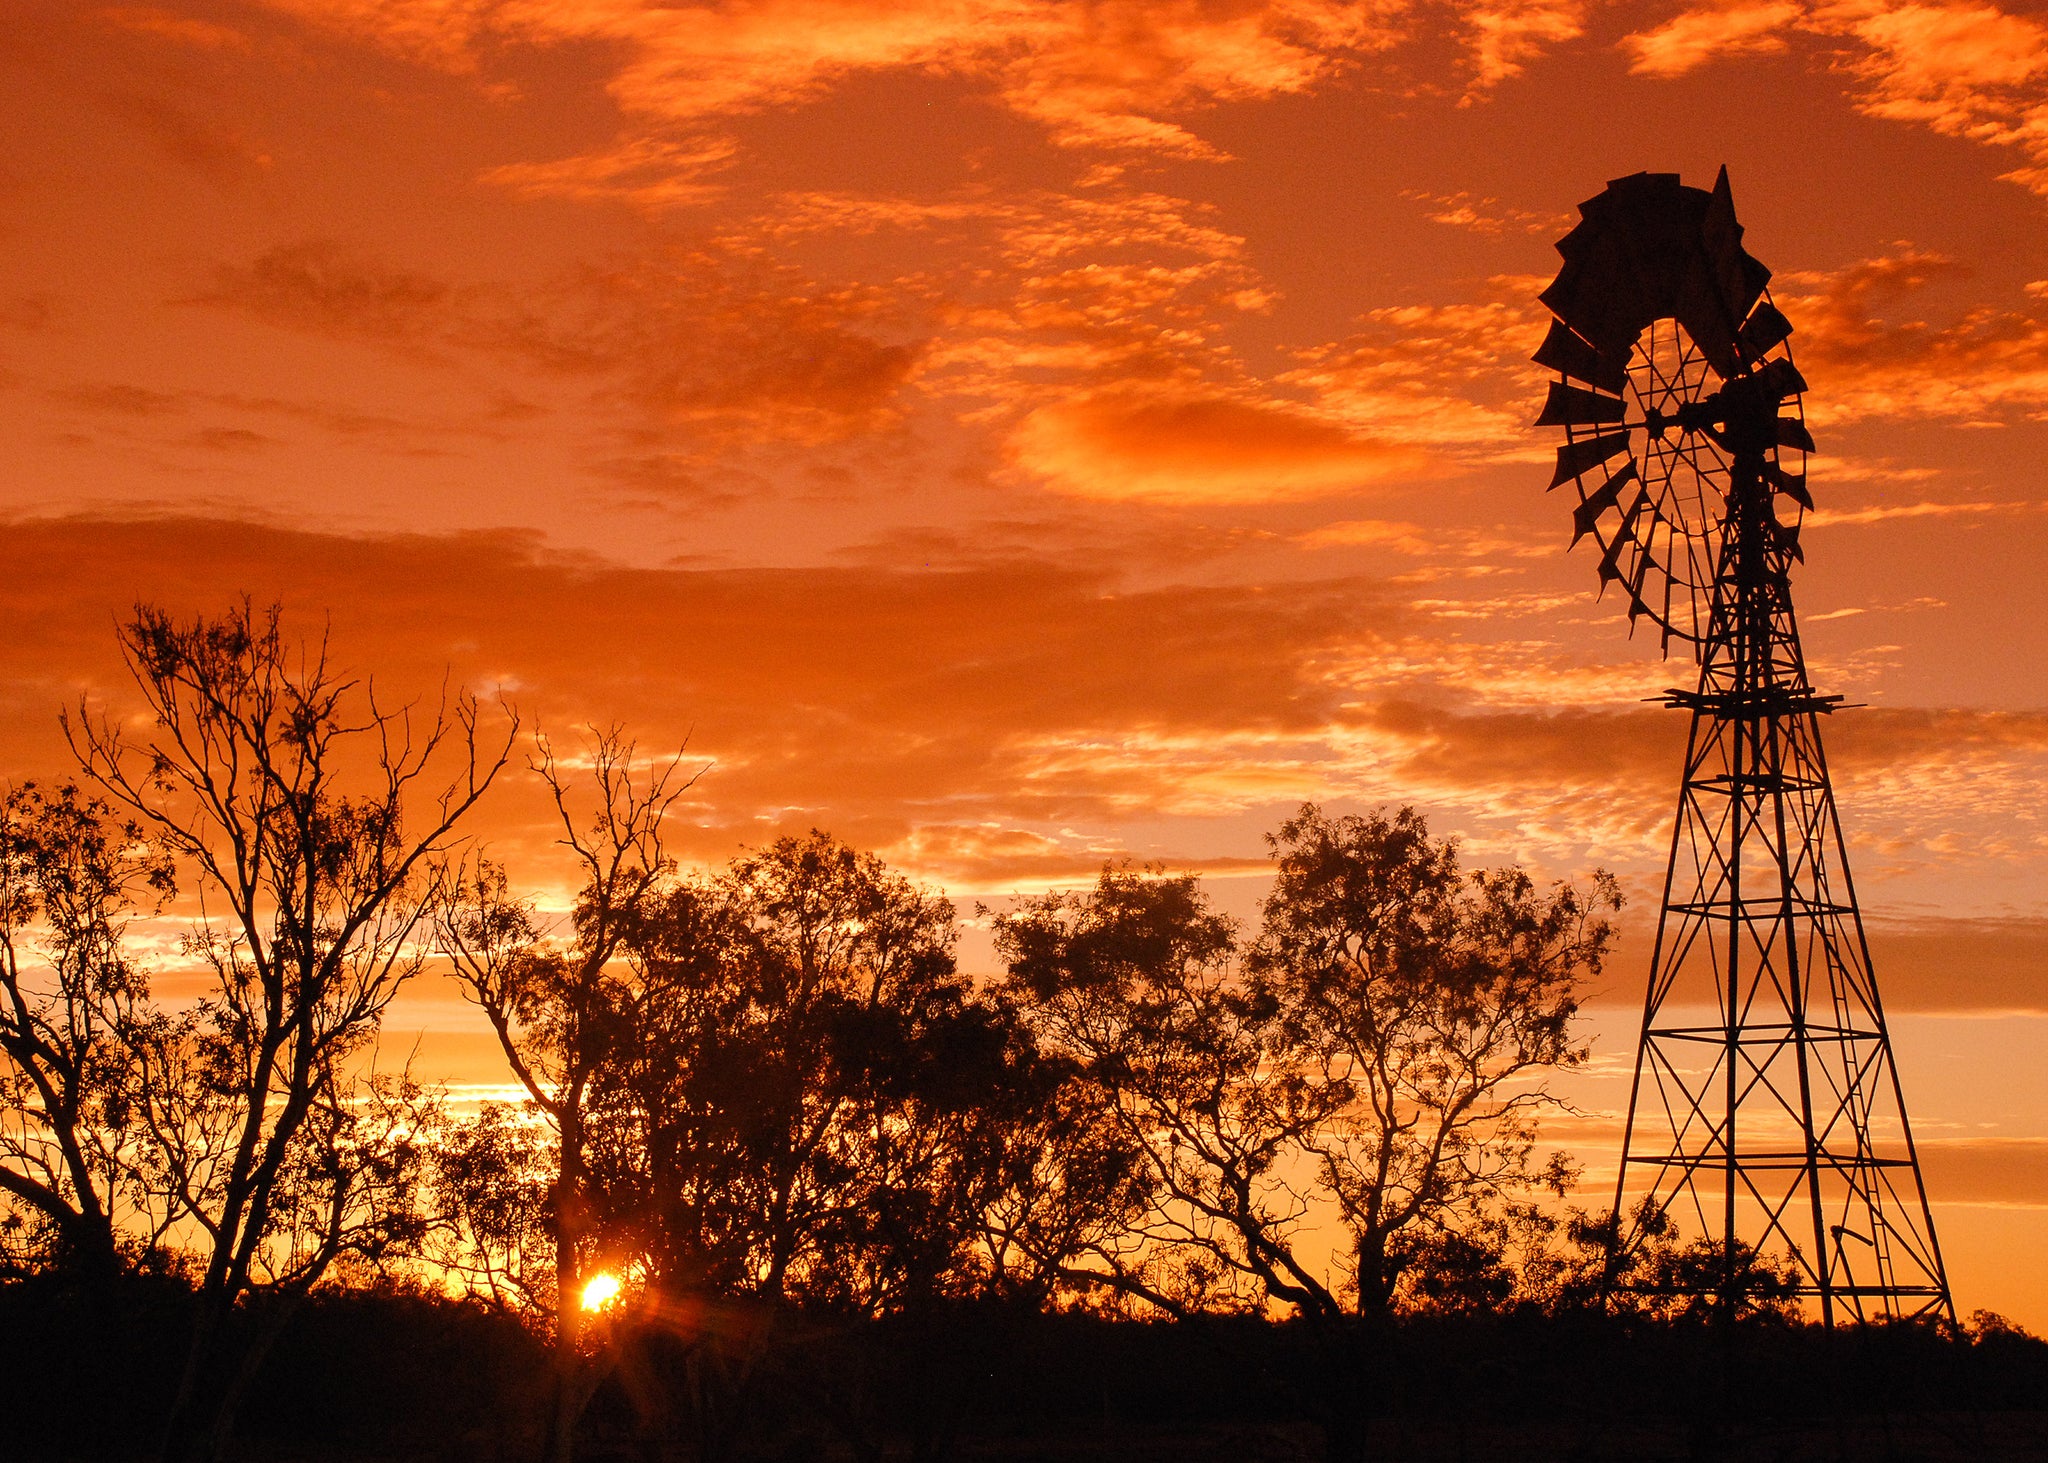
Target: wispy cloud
[(1984, 365), (1692, 38), (1964, 69), (1201, 449)]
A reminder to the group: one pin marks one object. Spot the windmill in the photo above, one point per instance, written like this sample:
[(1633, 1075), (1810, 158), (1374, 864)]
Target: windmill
[(1766, 1116)]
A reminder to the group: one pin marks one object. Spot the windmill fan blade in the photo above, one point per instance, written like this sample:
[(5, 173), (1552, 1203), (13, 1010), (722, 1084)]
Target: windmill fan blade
[(1793, 433), (1791, 484), (1608, 572), (1782, 379), (1575, 457), (1787, 536), (1573, 406), (1600, 500), (1741, 279), (1566, 354), (1649, 247), (1767, 326), (1623, 537), (1596, 297), (1701, 309)]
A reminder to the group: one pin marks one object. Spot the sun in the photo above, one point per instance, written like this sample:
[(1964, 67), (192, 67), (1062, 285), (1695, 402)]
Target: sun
[(602, 1290)]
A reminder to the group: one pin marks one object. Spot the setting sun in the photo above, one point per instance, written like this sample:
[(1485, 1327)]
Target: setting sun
[(602, 1290)]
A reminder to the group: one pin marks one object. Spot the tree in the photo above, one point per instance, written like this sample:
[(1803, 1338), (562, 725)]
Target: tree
[(758, 1090), (301, 811), (1425, 997), (814, 1116), (562, 1009), (1136, 982), (867, 1025), (71, 878), (1370, 1063)]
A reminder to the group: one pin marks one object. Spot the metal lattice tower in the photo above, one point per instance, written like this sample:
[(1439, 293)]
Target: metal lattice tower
[(1766, 1115)]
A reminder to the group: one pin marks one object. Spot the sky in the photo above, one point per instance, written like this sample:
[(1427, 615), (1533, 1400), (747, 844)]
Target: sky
[(1017, 434)]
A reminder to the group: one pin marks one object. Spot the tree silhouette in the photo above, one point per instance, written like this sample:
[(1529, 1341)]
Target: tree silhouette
[(71, 878), (1367, 1064), (1421, 996), (562, 1009), (297, 806)]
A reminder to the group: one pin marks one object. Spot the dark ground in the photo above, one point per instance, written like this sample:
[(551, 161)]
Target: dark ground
[(394, 1378)]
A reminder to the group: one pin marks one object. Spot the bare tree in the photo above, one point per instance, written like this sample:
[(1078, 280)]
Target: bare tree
[(313, 823)]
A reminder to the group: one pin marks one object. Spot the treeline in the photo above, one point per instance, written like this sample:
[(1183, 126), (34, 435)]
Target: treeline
[(762, 1108), (384, 1373)]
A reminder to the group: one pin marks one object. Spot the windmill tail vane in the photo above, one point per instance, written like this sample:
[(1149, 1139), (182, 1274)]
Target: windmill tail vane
[(1766, 1120)]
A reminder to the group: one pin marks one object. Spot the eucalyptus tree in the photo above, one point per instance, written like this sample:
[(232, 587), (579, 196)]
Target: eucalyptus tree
[(72, 993), (311, 823), (563, 1003), (1367, 1065)]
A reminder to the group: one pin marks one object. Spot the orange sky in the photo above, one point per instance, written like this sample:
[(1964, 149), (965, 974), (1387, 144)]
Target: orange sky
[(1014, 433)]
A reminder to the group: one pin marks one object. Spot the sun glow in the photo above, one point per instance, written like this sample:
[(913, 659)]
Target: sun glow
[(602, 1290)]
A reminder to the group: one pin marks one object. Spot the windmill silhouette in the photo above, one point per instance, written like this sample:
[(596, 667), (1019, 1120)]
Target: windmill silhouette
[(1766, 1115)]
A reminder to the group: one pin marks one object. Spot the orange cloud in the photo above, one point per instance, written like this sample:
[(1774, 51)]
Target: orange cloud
[(1504, 36), (168, 25), (1964, 69), (1003, 723), (1096, 73), (726, 344), (1463, 210), (1454, 377), (648, 172), (1959, 965), (1864, 363), (1692, 38), (326, 288), (1104, 72), (883, 704), (1199, 449)]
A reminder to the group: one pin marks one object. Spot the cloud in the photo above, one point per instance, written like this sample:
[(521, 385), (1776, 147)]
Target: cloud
[(1007, 721), (1504, 36), (1200, 449), (726, 344), (1956, 965), (215, 150), (230, 439), (1463, 210), (1886, 512), (168, 25), (878, 703), (649, 173), (1095, 73), (1964, 69), (330, 289), (114, 398), (1692, 38), (1453, 377), (1101, 74), (440, 33), (1997, 1171), (1985, 365)]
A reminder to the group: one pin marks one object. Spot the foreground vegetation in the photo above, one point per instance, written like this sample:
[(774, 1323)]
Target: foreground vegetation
[(781, 1181), (391, 1375)]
